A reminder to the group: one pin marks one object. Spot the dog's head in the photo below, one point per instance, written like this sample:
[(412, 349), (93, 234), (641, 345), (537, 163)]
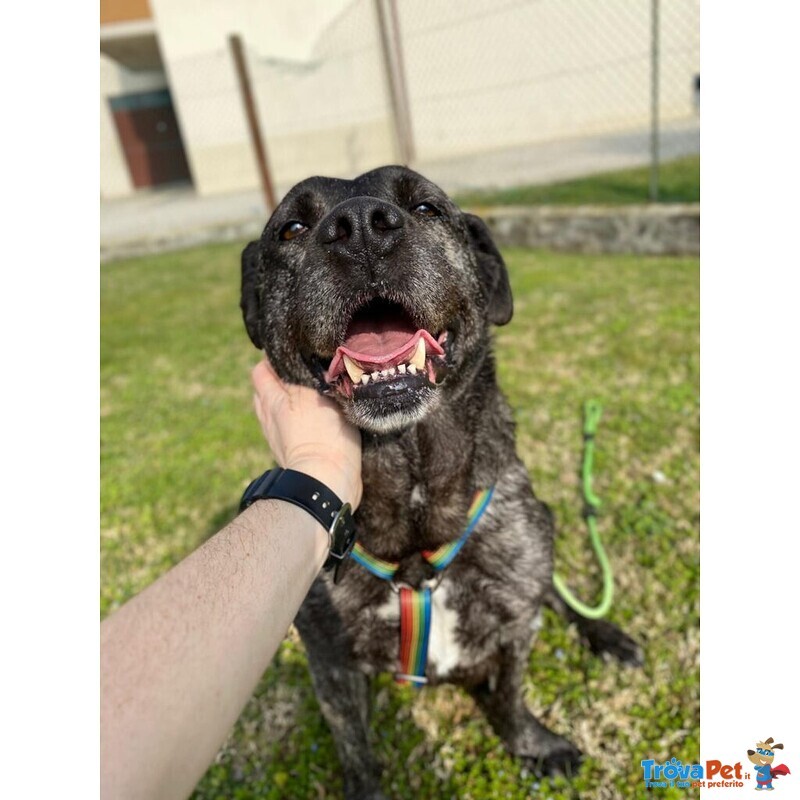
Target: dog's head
[(378, 291)]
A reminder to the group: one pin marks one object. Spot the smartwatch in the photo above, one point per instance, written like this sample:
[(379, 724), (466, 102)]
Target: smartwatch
[(315, 497)]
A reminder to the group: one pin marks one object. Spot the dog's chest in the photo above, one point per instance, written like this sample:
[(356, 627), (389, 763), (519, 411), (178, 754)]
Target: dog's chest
[(477, 601), (470, 618)]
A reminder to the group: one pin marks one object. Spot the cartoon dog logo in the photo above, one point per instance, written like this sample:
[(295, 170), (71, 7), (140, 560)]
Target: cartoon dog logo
[(762, 757)]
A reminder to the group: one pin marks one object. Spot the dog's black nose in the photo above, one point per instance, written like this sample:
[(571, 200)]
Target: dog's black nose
[(362, 223)]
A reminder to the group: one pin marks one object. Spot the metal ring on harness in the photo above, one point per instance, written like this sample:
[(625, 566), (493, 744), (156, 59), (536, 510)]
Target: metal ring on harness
[(437, 579)]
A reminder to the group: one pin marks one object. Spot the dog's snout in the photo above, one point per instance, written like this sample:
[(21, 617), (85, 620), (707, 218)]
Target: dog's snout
[(362, 223)]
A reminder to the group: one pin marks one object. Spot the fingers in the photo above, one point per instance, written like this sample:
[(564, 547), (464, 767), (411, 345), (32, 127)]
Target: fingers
[(265, 379), (308, 432), (258, 408), (271, 392)]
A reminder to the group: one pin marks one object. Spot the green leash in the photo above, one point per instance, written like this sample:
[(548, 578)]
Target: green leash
[(592, 411)]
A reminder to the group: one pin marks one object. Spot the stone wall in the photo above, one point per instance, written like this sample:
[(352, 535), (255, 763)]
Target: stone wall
[(647, 230)]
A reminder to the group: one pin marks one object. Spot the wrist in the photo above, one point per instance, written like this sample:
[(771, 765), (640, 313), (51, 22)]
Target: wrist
[(262, 512), (338, 477), (307, 488)]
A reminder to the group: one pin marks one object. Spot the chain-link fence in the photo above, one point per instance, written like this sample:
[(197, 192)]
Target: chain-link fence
[(474, 94), (481, 93)]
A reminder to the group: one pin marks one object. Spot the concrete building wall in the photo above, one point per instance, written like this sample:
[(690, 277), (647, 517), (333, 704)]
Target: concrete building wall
[(115, 180)]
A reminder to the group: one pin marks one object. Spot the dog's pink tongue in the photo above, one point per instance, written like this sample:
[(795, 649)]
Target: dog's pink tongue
[(373, 339), (374, 344)]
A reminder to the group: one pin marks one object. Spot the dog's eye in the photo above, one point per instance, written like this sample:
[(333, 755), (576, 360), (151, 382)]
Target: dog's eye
[(426, 210), (292, 229)]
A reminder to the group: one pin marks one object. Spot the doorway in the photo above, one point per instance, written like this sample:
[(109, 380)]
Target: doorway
[(150, 137)]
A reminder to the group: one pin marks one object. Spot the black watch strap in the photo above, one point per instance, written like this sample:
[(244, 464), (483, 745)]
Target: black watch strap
[(315, 497)]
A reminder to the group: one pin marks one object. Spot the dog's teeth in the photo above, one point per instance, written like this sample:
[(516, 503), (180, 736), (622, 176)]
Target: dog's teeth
[(353, 370), (375, 376), (365, 379), (418, 359), (391, 370), (412, 369), (384, 373), (401, 368)]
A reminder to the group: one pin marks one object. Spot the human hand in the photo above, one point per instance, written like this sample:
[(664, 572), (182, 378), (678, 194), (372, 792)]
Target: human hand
[(308, 433)]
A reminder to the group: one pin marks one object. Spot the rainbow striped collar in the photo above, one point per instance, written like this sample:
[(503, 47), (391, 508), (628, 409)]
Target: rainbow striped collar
[(415, 604), (439, 558)]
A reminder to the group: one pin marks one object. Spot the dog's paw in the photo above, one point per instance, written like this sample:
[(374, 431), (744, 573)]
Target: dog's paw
[(563, 759), (605, 638)]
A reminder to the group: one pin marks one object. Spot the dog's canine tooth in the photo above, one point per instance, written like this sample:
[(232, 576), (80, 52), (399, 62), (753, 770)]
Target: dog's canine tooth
[(401, 368), (353, 370), (375, 376), (412, 369), (418, 359), (365, 379)]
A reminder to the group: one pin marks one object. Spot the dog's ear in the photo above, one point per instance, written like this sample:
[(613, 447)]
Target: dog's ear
[(493, 272), (251, 261)]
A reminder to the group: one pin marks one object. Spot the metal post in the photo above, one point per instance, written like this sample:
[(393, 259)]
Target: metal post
[(654, 65), (400, 129), (253, 127), (397, 41)]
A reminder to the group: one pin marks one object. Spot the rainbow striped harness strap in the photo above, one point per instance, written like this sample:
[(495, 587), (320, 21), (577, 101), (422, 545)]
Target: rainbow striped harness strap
[(415, 604)]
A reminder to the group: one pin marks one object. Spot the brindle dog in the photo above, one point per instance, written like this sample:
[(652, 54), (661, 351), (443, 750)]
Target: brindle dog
[(380, 292)]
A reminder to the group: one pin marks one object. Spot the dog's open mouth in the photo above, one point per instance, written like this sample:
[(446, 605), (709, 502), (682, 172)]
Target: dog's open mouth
[(385, 353)]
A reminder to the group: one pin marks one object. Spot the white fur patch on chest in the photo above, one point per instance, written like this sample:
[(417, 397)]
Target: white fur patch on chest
[(444, 653), (390, 610)]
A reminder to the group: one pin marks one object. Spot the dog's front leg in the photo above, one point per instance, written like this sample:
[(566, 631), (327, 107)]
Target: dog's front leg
[(343, 696), (543, 751)]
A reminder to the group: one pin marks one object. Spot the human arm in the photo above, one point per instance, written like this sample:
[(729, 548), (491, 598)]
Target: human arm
[(180, 660)]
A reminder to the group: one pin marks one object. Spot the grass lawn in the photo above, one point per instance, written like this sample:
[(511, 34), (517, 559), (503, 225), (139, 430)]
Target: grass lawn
[(179, 444), (679, 182)]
